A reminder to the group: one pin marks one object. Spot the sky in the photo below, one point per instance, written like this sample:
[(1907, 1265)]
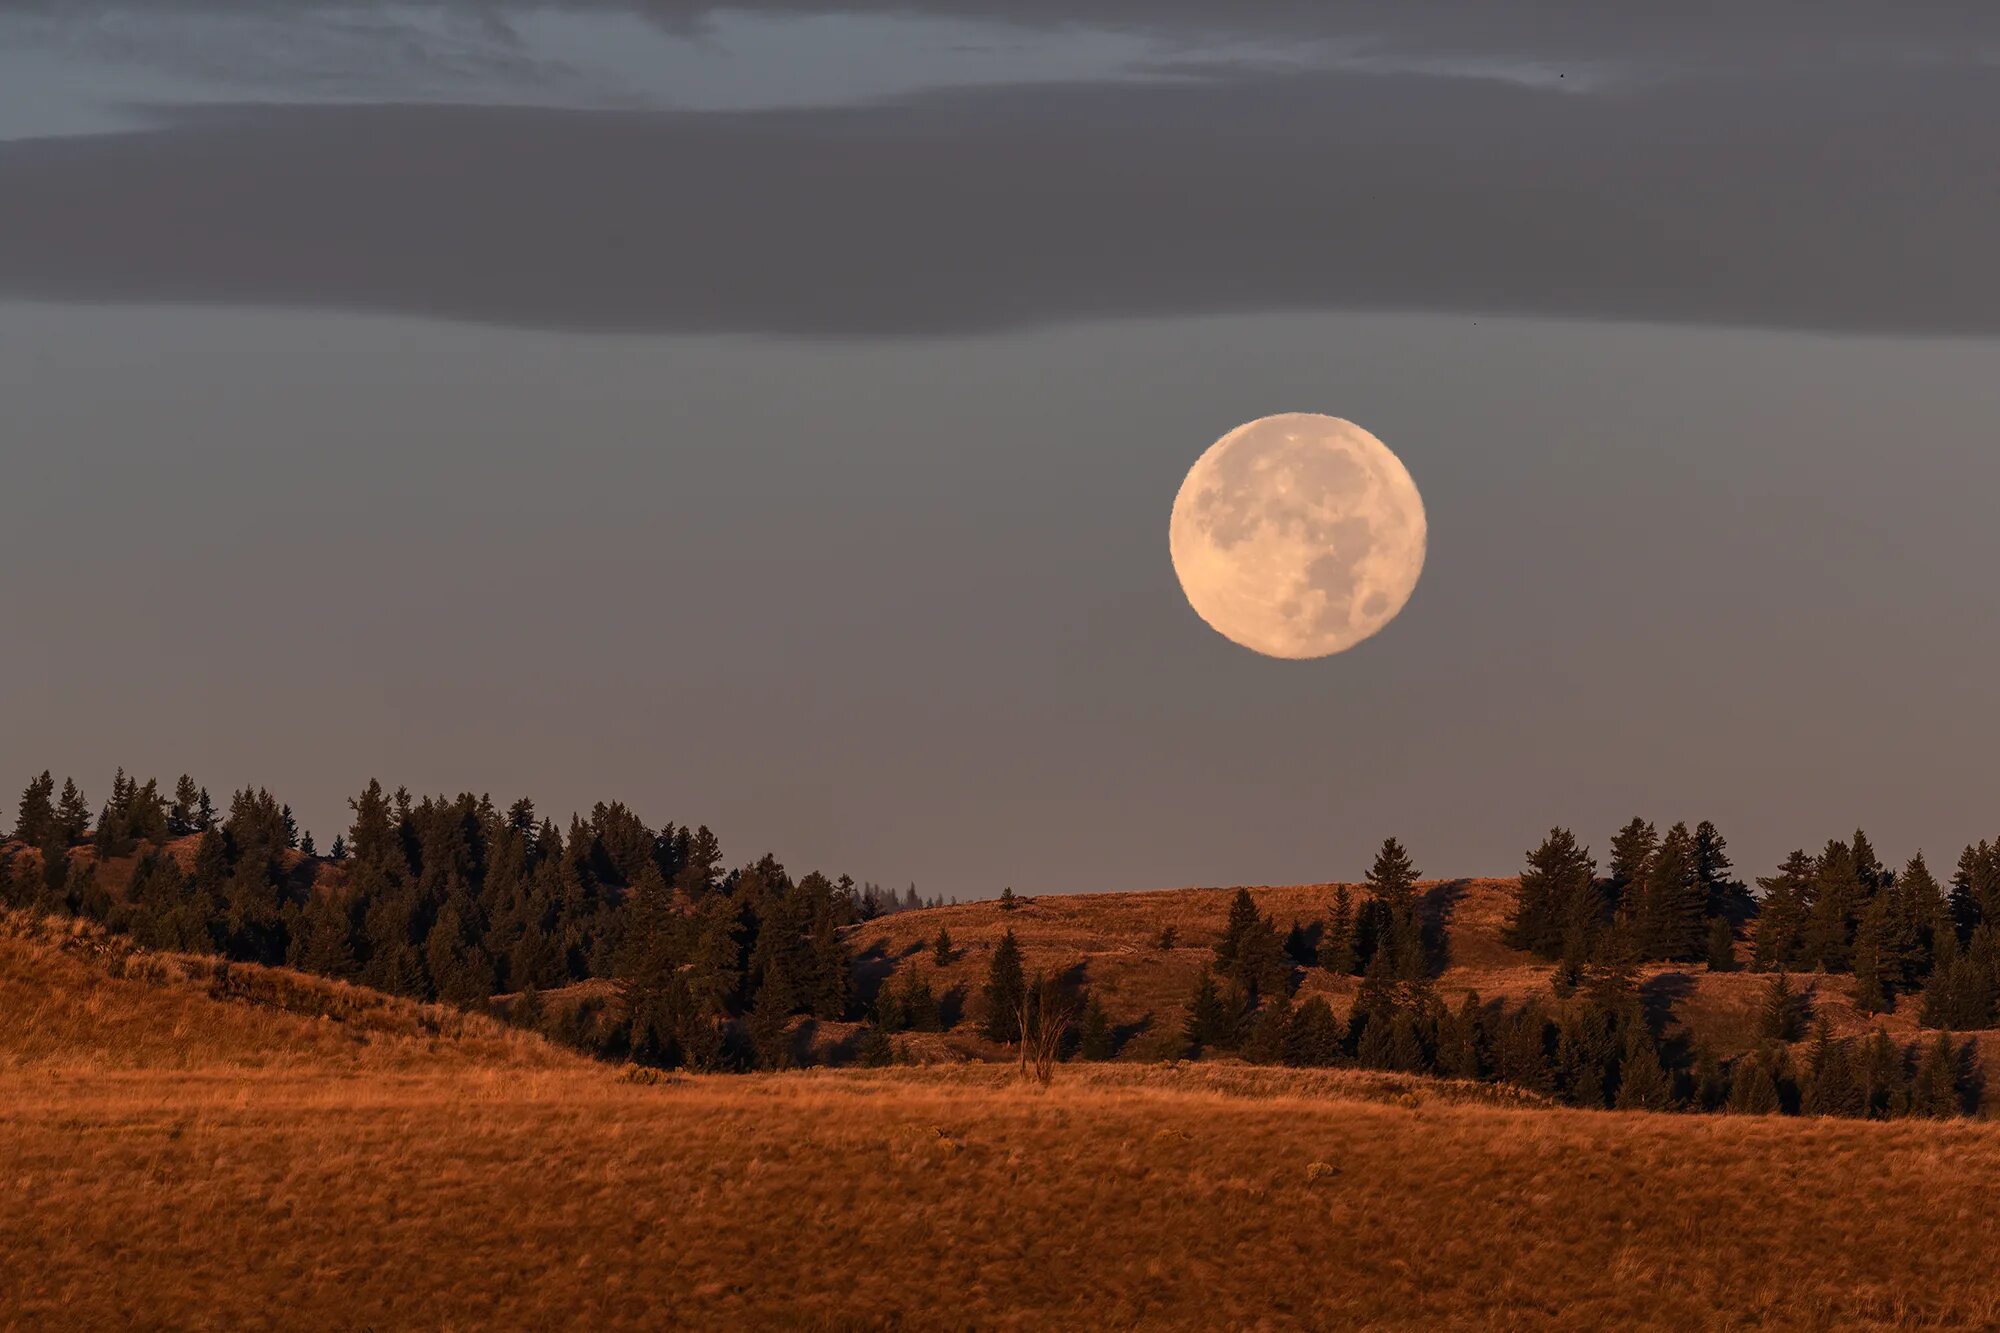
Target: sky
[(770, 417)]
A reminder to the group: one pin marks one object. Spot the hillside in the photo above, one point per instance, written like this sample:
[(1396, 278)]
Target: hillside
[(184, 1158), (1110, 942), (191, 1144), (72, 995)]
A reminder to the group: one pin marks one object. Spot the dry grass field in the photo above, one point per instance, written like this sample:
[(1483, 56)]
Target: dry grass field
[(271, 1151)]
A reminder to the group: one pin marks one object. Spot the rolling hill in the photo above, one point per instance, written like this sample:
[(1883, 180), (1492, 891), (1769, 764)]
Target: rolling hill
[(189, 1145), (1111, 943)]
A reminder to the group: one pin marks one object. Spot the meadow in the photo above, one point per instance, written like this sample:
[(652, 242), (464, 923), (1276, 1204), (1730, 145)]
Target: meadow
[(273, 1150)]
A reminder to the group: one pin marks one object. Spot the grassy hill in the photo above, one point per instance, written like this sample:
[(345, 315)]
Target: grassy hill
[(1111, 942), (72, 995), (193, 1147)]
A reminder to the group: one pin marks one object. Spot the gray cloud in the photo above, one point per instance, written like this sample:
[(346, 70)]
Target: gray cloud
[(1813, 200), (1576, 27)]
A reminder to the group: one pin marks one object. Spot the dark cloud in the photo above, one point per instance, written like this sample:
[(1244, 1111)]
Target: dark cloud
[(1710, 28), (1814, 200)]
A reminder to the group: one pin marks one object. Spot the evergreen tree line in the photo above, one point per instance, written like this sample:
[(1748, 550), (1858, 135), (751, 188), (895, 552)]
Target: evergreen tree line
[(457, 900), (1673, 899), (1014, 1008), (1242, 999), (1897, 932), (1666, 898), (1591, 1048)]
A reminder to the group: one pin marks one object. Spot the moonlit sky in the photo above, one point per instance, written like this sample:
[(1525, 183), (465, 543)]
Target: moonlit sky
[(770, 417)]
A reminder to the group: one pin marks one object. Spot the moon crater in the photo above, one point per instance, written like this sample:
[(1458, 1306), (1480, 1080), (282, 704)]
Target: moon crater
[(1298, 535)]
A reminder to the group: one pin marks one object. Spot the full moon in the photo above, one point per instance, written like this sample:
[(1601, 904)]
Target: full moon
[(1298, 535)]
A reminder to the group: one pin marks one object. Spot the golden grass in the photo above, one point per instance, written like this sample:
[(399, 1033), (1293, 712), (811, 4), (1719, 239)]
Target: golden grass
[(172, 1159), (73, 995), (960, 1198)]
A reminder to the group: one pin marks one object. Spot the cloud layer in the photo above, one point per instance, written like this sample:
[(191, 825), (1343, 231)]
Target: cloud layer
[(1810, 201)]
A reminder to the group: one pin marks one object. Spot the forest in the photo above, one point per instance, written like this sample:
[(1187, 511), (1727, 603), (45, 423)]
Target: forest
[(708, 966)]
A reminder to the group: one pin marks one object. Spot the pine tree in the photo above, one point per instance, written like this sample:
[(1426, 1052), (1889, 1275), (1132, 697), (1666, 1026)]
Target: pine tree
[(1587, 1056), (1721, 946), (460, 973), (1264, 1044), (1752, 1090), (941, 950), (1725, 894), (1633, 850), (874, 1050), (1458, 1041), (1883, 1087), (72, 814), (325, 943), (770, 1032), (146, 814), (1830, 1088), (1870, 996), (1374, 1006), (1261, 966), (113, 836), (830, 968), (1336, 949), (1872, 956), (1006, 989), (1393, 881), (1095, 1041), (1568, 973), (55, 873), (1934, 1092), (1393, 877), (338, 852), (1521, 1056), (1313, 1040), (1868, 867), (1612, 977), (1243, 918), (1643, 1084), (81, 894), (36, 823), (1961, 995), (1375, 1047), (1975, 886), (1008, 902), (372, 839), (1208, 1022), (1559, 874), (917, 1004), (1918, 917), (306, 845), (1408, 1052), (1782, 1017), (181, 814), (1711, 1081), (1672, 916), (1781, 917), (1838, 898)]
